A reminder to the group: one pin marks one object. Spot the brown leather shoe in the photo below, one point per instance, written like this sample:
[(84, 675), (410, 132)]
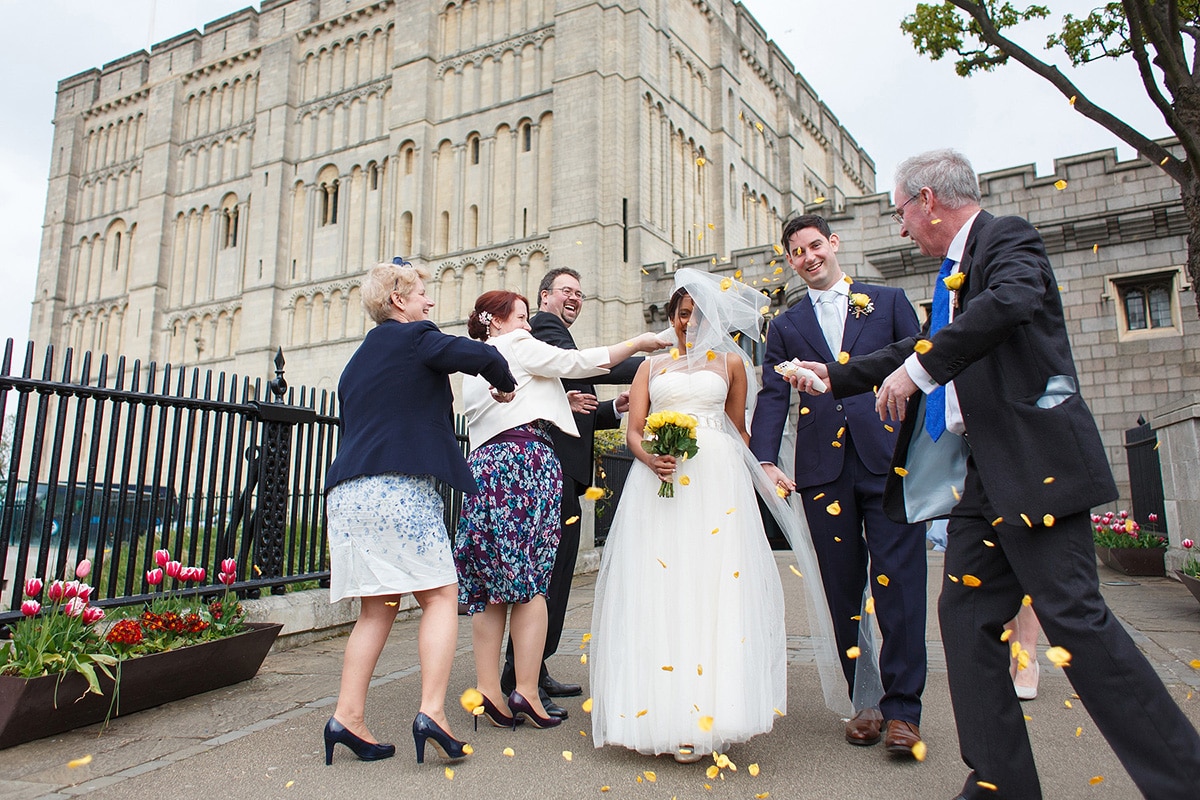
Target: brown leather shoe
[(863, 728), (900, 737)]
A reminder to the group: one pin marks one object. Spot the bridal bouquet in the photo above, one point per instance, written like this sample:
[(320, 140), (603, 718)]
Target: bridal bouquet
[(670, 433)]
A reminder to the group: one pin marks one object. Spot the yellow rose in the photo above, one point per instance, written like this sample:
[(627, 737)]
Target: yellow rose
[(859, 300), (954, 282)]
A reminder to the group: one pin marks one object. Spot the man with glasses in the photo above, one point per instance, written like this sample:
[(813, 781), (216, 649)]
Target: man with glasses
[(560, 299), (843, 453), (990, 384)]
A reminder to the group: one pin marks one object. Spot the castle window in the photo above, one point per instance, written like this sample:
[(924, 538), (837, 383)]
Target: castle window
[(474, 149), (526, 137), (1147, 303)]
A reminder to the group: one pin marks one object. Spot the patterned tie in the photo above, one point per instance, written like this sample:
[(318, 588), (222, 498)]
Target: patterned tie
[(935, 402), (830, 317)]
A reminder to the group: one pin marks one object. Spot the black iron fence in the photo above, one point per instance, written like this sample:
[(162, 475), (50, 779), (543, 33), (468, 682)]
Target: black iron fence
[(206, 466), (1145, 476)]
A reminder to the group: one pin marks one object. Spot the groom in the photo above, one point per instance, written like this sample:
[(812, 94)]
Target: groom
[(843, 454)]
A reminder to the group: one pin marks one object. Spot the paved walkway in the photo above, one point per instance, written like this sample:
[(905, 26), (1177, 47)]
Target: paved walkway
[(262, 738)]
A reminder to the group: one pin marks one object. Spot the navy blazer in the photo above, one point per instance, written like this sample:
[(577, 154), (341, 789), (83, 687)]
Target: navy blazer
[(397, 408), (576, 454), (1007, 341), (797, 334)]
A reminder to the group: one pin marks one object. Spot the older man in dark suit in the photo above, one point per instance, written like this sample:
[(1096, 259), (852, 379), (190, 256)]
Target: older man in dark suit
[(843, 453), (560, 300), (996, 391)]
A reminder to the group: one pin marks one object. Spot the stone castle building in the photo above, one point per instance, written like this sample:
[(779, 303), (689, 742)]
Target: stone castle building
[(221, 195)]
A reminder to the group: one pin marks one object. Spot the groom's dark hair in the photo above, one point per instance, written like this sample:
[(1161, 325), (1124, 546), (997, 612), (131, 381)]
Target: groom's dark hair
[(800, 223)]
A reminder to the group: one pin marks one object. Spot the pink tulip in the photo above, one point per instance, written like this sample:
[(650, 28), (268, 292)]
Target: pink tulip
[(229, 565), (33, 587), (1124, 514), (56, 591), (154, 577), (85, 592), (199, 573), (70, 589), (227, 578), (84, 569), (1152, 517), (161, 557), (74, 607), (30, 607), (173, 568), (92, 615), (1187, 543)]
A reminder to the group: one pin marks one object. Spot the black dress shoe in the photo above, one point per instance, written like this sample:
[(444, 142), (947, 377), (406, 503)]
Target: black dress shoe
[(553, 709), (556, 689)]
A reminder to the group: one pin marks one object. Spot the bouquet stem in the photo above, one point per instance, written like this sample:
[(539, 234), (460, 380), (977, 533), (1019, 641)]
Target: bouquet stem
[(666, 489)]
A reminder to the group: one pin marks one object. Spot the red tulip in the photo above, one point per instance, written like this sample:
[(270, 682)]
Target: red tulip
[(154, 577), (1152, 517), (74, 607), (33, 587), (173, 568), (227, 578), (85, 592), (56, 591), (1187, 543), (1124, 514), (229, 565), (92, 615), (161, 557), (30, 607), (83, 569), (70, 589), (199, 573)]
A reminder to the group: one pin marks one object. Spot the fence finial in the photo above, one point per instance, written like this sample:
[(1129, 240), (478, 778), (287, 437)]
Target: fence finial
[(278, 385)]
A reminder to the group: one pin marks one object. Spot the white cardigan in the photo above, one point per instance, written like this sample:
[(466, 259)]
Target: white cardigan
[(537, 367)]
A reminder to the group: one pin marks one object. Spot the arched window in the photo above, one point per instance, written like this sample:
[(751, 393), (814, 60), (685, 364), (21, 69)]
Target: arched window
[(474, 149), (526, 137), (327, 184), (116, 262)]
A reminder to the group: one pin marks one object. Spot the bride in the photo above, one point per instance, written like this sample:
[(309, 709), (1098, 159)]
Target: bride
[(688, 651)]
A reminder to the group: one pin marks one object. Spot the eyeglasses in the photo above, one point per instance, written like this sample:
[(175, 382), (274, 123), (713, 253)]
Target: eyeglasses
[(897, 217), (569, 292)]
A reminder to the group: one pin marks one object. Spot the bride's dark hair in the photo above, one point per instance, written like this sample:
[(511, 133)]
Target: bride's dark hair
[(676, 299)]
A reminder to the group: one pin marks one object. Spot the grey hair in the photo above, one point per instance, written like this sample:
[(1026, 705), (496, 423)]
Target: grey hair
[(947, 172), (383, 279)]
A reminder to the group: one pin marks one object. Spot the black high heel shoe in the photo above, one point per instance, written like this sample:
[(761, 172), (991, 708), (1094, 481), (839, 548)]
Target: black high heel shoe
[(520, 705), (497, 717), (447, 746), (335, 732)]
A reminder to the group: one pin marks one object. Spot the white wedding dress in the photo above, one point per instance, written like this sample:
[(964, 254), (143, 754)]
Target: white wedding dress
[(688, 620)]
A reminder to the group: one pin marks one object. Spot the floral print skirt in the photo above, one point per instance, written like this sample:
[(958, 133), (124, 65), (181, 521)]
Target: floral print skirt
[(508, 533), (387, 535)]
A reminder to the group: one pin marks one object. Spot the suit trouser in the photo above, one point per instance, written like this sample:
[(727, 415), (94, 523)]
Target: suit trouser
[(562, 574), (1056, 566), (843, 543)]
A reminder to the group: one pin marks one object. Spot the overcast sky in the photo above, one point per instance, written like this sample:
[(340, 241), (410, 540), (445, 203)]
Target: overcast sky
[(894, 102)]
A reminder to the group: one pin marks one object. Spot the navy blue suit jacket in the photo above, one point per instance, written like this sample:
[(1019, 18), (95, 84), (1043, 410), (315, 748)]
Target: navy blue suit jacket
[(797, 334), (397, 408), (1007, 340)]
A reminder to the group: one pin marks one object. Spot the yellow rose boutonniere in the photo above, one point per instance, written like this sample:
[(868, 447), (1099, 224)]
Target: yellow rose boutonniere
[(860, 304), (954, 282)]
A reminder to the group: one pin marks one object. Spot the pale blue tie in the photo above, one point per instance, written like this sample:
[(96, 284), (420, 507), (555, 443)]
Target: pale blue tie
[(935, 402)]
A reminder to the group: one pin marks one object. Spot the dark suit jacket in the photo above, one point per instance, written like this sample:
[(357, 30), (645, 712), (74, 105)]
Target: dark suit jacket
[(396, 403), (576, 454), (797, 334), (1007, 340)]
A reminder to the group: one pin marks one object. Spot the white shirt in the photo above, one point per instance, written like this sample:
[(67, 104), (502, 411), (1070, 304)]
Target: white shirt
[(537, 367), (837, 296), (912, 365)]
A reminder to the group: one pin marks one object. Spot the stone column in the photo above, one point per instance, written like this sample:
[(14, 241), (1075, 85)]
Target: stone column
[(1178, 427)]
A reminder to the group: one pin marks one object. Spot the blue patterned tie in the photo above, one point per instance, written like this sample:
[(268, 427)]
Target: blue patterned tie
[(935, 402)]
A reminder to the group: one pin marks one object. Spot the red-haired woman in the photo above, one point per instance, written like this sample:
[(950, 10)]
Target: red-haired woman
[(508, 533)]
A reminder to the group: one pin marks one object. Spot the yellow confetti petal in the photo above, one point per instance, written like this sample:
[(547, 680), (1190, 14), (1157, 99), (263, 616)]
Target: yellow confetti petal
[(508, 751), (869, 607), (567, 755), (471, 699), (1006, 635), (986, 785), (605, 788), (778, 270), (675, 353), (1048, 520), (1060, 184), (722, 760), (883, 580), (889, 429), (593, 493), (853, 652), (1026, 519), (583, 659), (1164, 161), (843, 357), (700, 162), (684, 480), (643, 712), (289, 784), (919, 751), (699, 669), (923, 346), (662, 563), (1078, 732), (778, 249), (834, 508), (857, 617), (668, 668), (837, 538), (818, 496), (1194, 663), (710, 356), (705, 723), (952, 577), (571, 520), (731, 510), (997, 521), (80, 762), (650, 776), (578, 241), (753, 770), (1095, 248), (901, 471), (835, 444), (644, 272), (1096, 780), (805, 410), (468, 749), (1048, 480), (1059, 657), (935, 222), (778, 712), (971, 580), (257, 570), (738, 275), (1026, 600), (640, 779), (587, 706), (449, 774), (712, 771), (954, 491), (587, 637), (735, 574), (1072, 100), (988, 543), (1067, 703), (762, 795), (795, 571)]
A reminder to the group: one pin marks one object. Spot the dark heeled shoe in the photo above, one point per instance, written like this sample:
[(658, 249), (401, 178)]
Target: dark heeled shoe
[(447, 746), (496, 716), (335, 732), (520, 705)]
